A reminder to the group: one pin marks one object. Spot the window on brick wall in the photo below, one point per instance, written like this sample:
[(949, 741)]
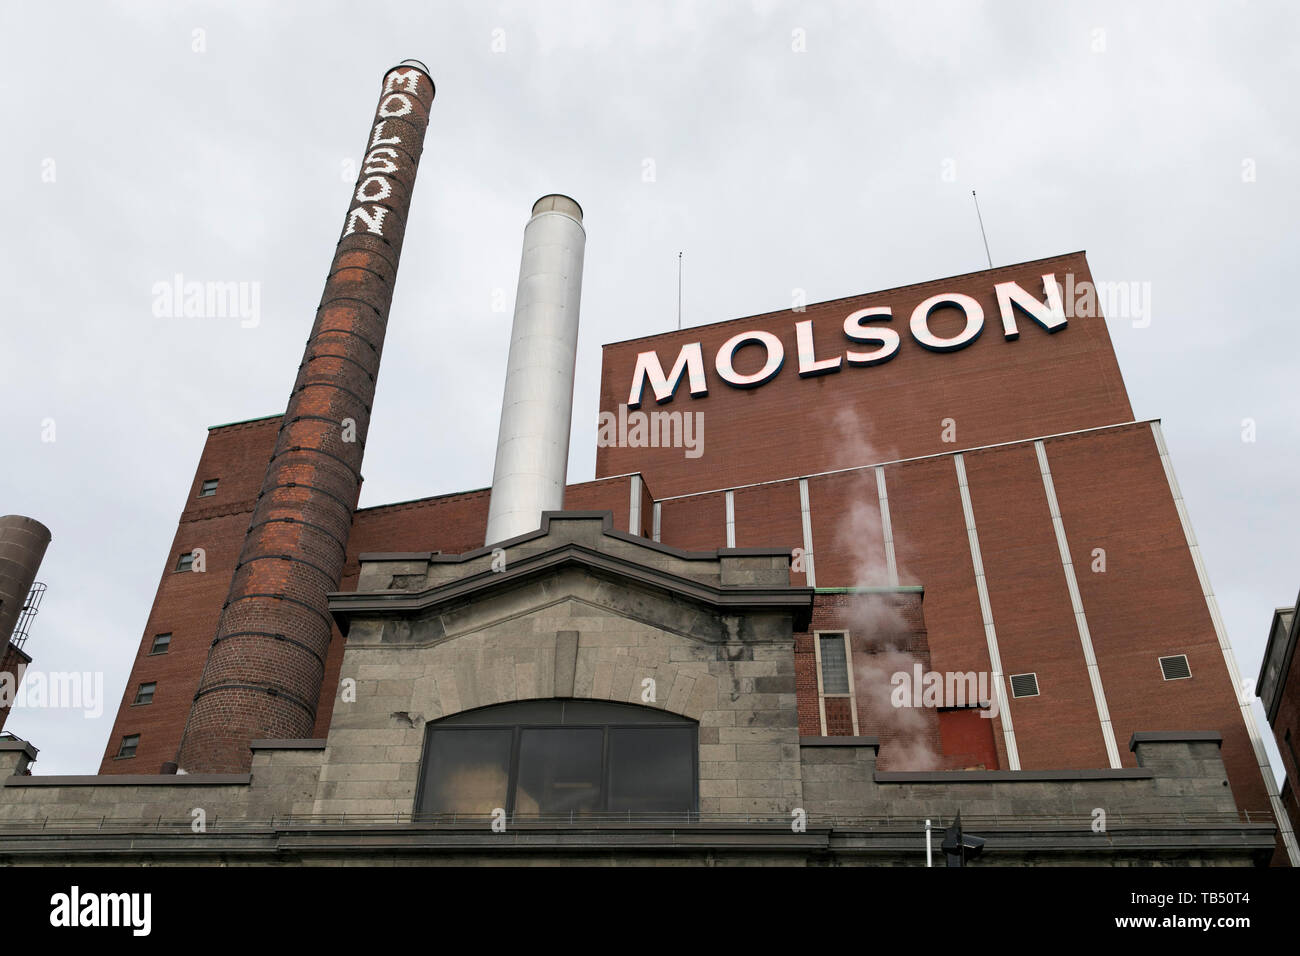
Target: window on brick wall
[(161, 644), (129, 743), (208, 488), (836, 699), (144, 695), (185, 562), (569, 758)]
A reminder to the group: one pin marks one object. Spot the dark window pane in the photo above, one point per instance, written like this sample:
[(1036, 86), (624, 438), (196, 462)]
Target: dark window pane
[(467, 771), (559, 771), (652, 770), (835, 671)]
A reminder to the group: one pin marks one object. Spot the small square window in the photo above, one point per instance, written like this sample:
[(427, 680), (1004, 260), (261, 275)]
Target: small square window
[(185, 562), (208, 488), (145, 694), (129, 743), (161, 644)]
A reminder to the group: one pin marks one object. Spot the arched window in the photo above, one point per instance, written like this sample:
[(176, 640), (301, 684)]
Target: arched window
[(559, 757)]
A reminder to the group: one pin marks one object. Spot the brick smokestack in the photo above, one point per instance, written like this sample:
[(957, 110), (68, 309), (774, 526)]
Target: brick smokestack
[(267, 662)]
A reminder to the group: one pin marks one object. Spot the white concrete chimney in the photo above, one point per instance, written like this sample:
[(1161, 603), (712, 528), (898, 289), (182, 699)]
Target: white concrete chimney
[(533, 444)]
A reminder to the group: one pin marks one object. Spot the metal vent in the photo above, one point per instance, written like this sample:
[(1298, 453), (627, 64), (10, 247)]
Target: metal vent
[(1024, 685), (1175, 668)]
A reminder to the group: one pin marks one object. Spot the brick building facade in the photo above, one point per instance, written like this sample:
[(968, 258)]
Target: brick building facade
[(900, 555), (892, 480)]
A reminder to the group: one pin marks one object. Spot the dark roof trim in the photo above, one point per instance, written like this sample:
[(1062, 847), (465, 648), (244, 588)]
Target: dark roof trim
[(1174, 736), (10, 648), (839, 742), (246, 421), (22, 745), (344, 604)]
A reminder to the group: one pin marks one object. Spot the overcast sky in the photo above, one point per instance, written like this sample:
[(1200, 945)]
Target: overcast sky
[(1160, 137)]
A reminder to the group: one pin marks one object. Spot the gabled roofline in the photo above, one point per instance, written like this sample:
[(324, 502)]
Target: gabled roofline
[(726, 598)]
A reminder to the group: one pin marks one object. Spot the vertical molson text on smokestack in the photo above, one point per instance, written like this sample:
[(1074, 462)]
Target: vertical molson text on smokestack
[(265, 668)]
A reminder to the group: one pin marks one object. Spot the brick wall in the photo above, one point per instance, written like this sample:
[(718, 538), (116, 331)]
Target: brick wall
[(188, 604), (887, 635)]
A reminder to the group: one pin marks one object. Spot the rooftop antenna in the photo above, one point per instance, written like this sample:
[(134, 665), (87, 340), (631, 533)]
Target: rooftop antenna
[(679, 290), (982, 233)]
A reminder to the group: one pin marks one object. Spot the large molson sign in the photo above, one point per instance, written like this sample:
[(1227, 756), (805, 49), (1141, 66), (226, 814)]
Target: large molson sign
[(862, 327)]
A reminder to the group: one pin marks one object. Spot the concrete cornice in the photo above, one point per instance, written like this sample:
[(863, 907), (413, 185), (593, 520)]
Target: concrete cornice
[(343, 605), (134, 780), (272, 743), (22, 745), (1009, 842)]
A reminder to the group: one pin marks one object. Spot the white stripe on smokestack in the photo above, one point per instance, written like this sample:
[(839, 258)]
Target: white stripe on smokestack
[(537, 409)]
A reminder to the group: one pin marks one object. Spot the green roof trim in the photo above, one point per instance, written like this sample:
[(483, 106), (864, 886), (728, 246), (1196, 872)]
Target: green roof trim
[(246, 421)]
